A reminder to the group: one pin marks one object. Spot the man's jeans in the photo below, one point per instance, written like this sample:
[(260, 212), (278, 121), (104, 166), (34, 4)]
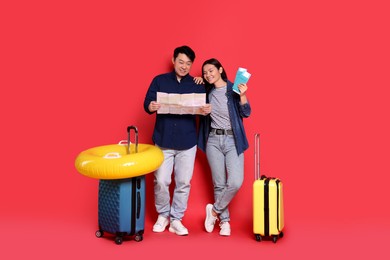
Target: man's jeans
[(181, 163)]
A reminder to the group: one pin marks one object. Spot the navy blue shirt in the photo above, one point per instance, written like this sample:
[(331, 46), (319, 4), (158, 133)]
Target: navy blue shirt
[(172, 131)]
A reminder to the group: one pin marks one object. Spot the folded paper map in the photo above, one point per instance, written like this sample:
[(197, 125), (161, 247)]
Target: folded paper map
[(181, 103)]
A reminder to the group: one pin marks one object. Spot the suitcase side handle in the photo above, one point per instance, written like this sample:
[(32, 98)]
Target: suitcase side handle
[(128, 138)]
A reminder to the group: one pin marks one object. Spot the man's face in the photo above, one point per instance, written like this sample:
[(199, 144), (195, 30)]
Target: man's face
[(182, 65)]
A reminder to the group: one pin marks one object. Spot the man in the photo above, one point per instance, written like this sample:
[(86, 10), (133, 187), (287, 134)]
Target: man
[(176, 135)]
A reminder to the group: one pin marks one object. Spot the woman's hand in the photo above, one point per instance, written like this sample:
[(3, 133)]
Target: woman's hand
[(243, 88)]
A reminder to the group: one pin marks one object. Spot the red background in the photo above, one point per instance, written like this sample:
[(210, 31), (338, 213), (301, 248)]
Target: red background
[(74, 75)]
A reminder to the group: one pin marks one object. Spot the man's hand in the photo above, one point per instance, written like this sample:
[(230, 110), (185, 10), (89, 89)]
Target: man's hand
[(206, 109), (198, 80), (154, 106)]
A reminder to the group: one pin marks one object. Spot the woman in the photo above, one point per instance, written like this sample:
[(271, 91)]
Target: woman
[(222, 136)]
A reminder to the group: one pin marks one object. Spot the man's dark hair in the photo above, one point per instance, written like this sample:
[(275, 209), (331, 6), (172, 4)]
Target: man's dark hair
[(185, 50)]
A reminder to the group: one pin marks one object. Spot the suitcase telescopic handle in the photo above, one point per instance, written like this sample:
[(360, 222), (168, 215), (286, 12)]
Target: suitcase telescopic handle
[(128, 138), (257, 156)]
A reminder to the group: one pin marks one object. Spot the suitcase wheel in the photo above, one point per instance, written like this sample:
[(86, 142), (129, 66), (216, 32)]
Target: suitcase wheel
[(118, 240), (258, 237), (281, 234), (99, 233), (138, 237)]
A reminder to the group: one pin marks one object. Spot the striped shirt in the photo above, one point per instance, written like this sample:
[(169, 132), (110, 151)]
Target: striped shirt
[(219, 113)]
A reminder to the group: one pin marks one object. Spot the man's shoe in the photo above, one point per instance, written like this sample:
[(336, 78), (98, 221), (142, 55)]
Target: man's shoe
[(225, 229), (161, 224), (210, 219), (178, 228)]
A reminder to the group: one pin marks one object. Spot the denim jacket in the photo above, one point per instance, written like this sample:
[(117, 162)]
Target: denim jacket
[(236, 113)]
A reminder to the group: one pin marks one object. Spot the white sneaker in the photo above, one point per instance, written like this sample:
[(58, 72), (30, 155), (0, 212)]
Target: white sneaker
[(225, 228), (210, 219), (161, 224), (178, 228)]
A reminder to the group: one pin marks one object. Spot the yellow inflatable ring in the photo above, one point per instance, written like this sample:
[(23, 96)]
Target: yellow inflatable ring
[(113, 161)]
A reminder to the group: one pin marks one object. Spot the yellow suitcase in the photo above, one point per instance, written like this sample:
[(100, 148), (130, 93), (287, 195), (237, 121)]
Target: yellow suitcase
[(268, 214)]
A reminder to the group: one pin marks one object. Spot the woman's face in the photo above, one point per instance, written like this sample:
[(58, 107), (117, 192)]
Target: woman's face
[(211, 74)]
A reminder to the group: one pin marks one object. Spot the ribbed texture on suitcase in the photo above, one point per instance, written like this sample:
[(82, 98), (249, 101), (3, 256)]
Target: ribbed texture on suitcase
[(109, 205)]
